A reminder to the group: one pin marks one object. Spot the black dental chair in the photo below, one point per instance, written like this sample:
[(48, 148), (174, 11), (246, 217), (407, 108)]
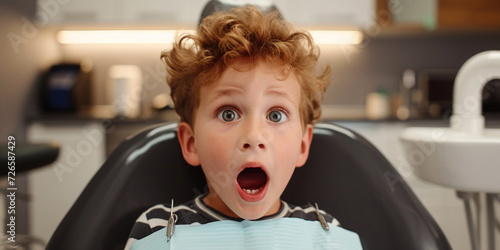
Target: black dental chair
[(345, 175)]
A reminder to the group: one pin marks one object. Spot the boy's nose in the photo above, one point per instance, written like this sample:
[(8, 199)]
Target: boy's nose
[(249, 145), (254, 136)]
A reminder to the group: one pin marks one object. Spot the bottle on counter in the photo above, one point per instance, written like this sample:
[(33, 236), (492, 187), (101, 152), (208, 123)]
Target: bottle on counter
[(377, 105)]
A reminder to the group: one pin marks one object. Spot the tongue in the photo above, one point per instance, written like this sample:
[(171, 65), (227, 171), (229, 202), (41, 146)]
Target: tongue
[(252, 178)]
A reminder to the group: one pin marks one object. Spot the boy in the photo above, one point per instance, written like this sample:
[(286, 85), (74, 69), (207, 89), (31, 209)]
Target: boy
[(246, 91)]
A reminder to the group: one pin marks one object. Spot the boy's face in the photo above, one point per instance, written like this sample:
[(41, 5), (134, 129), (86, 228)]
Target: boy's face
[(248, 138)]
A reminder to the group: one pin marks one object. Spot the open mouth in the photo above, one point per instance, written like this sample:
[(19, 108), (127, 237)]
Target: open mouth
[(252, 180)]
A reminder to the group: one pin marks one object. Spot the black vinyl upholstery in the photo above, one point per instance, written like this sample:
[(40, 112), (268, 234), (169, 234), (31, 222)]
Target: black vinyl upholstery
[(346, 175)]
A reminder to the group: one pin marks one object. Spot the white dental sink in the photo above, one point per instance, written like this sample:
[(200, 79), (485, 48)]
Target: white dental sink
[(455, 159), (466, 156)]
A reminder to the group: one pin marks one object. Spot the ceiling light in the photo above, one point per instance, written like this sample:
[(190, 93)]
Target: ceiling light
[(118, 36), (337, 36), (168, 36)]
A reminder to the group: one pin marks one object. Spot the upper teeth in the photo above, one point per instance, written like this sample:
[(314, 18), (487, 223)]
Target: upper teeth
[(251, 191)]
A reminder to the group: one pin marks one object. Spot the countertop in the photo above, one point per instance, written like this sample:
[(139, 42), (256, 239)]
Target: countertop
[(329, 114)]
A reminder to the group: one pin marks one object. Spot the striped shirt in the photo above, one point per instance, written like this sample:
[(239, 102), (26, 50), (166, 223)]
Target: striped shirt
[(197, 211)]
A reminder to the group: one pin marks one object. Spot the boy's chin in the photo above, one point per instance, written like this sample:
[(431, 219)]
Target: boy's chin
[(251, 215), (257, 211)]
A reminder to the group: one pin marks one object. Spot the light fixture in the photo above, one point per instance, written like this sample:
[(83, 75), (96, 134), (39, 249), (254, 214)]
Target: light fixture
[(337, 36), (168, 36), (118, 36)]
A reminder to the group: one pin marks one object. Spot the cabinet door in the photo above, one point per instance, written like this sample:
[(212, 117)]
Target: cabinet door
[(148, 11), (165, 12), (77, 11), (55, 188), (174, 13), (186, 13), (469, 14), (328, 13)]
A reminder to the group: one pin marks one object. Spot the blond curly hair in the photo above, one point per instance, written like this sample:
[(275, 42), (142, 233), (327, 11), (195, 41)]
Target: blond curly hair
[(199, 60)]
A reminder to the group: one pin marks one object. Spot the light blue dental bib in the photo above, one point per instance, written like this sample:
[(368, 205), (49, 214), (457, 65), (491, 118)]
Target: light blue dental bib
[(283, 233)]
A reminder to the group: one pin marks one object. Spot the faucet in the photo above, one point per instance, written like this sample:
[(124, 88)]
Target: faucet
[(467, 91)]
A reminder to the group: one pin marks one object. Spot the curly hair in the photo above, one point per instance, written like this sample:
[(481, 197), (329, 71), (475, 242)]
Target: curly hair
[(199, 60)]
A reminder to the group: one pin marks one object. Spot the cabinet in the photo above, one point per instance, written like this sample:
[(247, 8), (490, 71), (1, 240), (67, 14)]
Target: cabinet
[(438, 14), (328, 13), (170, 12), (186, 13), (117, 12), (76, 11), (55, 188), (406, 15), (469, 14)]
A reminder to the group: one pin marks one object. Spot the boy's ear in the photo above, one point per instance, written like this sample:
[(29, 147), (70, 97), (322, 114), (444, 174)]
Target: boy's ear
[(305, 145), (186, 139)]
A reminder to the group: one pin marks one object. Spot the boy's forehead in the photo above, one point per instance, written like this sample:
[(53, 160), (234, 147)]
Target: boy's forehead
[(243, 68), (243, 72), (266, 65), (235, 82)]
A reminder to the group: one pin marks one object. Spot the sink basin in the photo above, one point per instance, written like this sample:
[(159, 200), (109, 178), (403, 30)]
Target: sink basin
[(455, 159), (465, 156)]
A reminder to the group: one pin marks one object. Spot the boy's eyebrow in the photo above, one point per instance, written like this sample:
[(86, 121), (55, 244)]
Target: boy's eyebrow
[(278, 93), (225, 92), (237, 91)]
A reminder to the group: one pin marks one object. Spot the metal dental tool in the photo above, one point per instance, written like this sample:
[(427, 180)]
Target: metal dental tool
[(171, 222), (321, 219)]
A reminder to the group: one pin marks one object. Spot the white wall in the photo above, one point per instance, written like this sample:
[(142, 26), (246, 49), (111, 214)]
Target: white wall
[(27, 49)]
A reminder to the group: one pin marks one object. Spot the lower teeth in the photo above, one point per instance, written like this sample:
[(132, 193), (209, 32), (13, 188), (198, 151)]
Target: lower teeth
[(252, 191)]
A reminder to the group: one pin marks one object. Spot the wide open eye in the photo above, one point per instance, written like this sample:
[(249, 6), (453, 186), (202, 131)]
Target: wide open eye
[(277, 116), (228, 115)]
